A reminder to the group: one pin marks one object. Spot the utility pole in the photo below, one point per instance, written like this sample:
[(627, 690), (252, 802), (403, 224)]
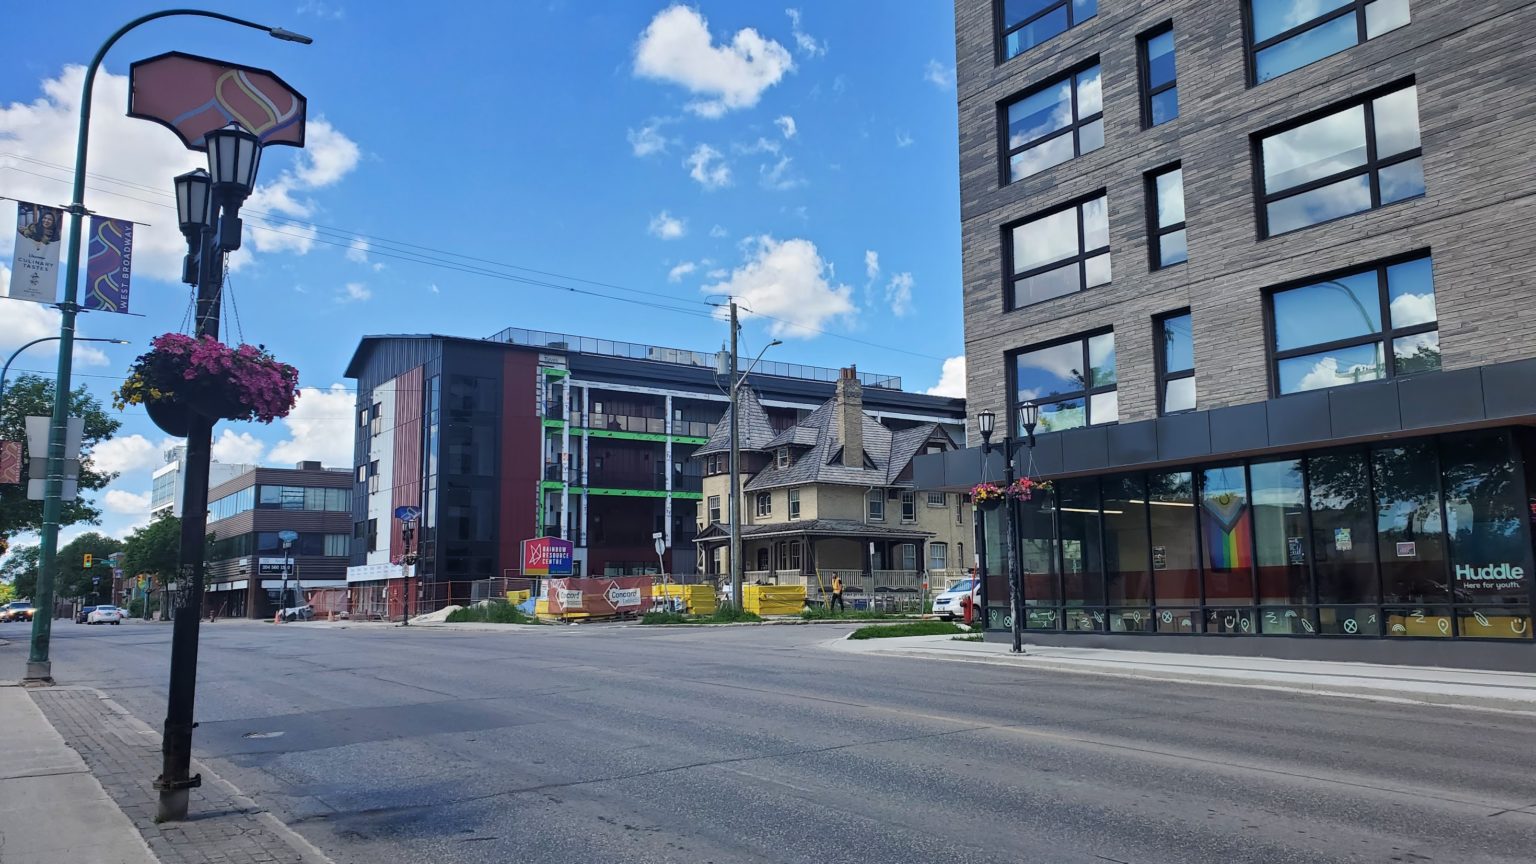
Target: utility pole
[(735, 515)]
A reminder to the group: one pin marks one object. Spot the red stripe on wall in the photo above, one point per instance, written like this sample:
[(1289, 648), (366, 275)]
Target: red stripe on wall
[(521, 458)]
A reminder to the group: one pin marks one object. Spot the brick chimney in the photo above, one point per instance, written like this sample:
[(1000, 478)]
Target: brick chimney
[(848, 417)]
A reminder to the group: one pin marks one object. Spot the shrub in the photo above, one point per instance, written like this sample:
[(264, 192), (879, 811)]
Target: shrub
[(494, 612), (913, 628), (666, 618), (732, 615)]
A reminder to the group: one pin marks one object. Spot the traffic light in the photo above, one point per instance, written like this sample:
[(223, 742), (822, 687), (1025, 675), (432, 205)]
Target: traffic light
[(87, 559)]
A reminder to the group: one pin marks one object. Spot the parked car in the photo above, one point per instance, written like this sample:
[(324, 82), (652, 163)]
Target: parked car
[(947, 605), (19, 610), (83, 614), (105, 615)]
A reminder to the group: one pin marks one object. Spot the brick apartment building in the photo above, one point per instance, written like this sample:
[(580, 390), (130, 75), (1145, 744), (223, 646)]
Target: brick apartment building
[(1264, 268)]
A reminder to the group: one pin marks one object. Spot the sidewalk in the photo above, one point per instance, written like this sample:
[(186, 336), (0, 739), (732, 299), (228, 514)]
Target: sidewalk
[(1509, 691), (51, 808)]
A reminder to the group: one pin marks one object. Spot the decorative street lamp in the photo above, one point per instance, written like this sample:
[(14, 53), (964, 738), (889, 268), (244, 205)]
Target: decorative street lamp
[(986, 424), (233, 157)]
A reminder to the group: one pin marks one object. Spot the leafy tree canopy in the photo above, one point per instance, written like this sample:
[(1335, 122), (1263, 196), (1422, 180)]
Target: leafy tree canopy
[(32, 396)]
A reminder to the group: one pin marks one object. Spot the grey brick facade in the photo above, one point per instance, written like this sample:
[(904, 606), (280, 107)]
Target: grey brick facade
[(1476, 84)]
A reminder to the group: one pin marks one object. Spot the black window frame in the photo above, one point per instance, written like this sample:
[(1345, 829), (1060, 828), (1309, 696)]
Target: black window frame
[(1005, 174), (999, 27), (1371, 168), (1384, 336), (1144, 73), (908, 506), (1252, 47), (1011, 360), (1160, 359), (1010, 278), (1155, 231)]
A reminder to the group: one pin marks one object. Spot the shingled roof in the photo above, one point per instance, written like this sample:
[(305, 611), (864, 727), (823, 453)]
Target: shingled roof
[(818, 452), (756, 431)]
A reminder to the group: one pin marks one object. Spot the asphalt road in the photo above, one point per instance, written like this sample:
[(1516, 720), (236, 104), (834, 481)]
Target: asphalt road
[(630, 744)]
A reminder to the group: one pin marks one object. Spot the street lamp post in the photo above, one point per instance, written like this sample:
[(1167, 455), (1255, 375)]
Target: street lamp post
[(287, 537), (1028, 418), (6, 369), (39, 666), (734, 507), (208, 206)]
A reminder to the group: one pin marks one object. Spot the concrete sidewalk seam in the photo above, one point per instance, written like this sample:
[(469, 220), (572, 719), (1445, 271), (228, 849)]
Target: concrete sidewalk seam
[(236, 830)]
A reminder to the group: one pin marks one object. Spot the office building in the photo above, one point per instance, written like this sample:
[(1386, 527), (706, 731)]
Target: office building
[(1261, 268), (168, 484)]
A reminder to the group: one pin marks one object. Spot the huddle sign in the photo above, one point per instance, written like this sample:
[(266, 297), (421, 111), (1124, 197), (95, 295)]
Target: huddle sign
[(35, 266), (548, 556)]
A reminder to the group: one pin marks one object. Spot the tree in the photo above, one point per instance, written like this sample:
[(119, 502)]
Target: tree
[(73, 579), (20, 570), (154, 550), (32, 396)]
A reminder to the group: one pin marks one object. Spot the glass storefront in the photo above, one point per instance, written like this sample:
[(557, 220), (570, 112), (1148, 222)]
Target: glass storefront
[(1421, 538)]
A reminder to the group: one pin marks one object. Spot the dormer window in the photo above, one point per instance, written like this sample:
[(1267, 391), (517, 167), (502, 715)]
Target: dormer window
[(783, 457)]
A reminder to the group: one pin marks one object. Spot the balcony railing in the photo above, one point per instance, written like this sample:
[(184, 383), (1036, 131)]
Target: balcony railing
[(612, 479), (554, 410), (626, 423), (687, 483)]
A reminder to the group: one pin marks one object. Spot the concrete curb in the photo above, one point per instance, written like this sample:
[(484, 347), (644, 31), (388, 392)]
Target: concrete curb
[(300, 846), (1469, 697)]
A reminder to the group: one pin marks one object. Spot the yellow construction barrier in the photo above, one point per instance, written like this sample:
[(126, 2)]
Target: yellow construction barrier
[(541, 607), (773, 599), (698, 599), (517, 598)]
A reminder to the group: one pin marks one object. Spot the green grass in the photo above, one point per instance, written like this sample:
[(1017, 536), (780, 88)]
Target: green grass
[(723, 615), (821, 613), (491, 613), (913, 628), (666, 618), (968, 637)]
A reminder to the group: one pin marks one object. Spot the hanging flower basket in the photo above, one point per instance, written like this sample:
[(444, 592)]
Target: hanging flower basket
[(987, 496), (1024, 488), (180, 374)]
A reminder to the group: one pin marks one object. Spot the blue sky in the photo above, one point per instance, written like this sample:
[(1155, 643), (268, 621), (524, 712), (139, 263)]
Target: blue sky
[(801, 158)]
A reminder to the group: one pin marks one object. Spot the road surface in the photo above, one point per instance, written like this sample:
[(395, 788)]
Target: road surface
[(757, 744)]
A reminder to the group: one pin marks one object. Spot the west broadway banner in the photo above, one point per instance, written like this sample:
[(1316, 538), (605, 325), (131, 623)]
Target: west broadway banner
[(35, 266), (109, 266)]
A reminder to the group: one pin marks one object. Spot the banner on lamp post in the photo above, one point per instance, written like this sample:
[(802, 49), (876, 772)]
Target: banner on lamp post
[(10, 461), (109, 266), (35, 264)]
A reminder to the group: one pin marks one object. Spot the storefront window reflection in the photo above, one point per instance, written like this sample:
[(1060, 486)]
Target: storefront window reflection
[(1280, 546), (1175, 564), (1082, 569), (1126, 551), (1342, 537), (1409, 535)]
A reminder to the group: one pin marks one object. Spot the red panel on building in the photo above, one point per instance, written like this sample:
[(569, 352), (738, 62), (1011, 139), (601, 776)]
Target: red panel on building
[(407, 455), (521, 458)]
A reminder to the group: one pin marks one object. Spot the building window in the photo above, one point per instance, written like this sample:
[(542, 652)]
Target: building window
[(789, 555), (1023, 24), (1073, 383), (938, 557), (877, 505), (362, 418), (783, 457), (794, 503), (1285, 35), (764, 504), (909, 506), (937, 499), (909, 556), (1165, 195), (714, 509), (1350, 160), (362, 473), (960, 504), (1053, 123), (1360, 326), (1060, 252), (1159, 77), (1175, 362), (373, 476)]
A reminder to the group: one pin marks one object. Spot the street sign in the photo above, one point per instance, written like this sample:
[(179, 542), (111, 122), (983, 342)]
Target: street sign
[(407, 513), (287, 536), (274, 567), (619, 598), (661, 543)]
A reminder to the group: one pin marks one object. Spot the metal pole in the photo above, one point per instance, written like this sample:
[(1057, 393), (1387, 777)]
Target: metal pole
[(6, 369), (39, 666), (174, 782), (735, 517), (1015, 589), (282, 602)]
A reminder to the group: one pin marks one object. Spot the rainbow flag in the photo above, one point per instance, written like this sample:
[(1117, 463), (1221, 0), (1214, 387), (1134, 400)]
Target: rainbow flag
[(1229, 546)]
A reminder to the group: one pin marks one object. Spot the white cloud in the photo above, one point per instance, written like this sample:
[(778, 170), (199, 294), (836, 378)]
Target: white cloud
[(129, 453), (871, 264), (358, 251), (803, 40), (353, 292), (786, 126), (648, 138), (718, 231), (327, 156), (677, 273), (779, 177), (128, 503), (434, 289), (898, 293), (718, 273), (667, 227), (761, 145), (25, 321), (242, 449), (676, 47), (787, 280), (707, 166), (951, 379), (903, 138), (939, 75), (319, 428)]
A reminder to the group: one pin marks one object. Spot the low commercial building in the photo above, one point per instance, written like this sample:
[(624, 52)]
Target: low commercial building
[(248, 567), (832, 495)]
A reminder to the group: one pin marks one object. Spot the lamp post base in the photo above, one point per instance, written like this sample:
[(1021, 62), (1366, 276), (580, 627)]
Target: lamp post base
[(173, 805), (39, 671)]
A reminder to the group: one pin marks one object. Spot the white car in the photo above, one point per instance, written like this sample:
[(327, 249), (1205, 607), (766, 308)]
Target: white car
[(105, 615), (947, 605)]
